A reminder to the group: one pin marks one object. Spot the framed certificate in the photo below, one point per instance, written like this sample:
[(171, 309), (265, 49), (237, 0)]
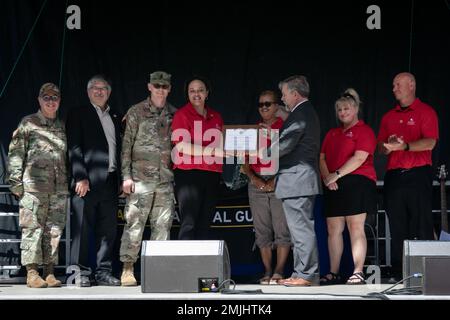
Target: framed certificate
[(241, 137)]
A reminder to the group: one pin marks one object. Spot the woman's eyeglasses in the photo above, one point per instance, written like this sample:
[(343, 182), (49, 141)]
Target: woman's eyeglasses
[(265, 104), (161, 86)]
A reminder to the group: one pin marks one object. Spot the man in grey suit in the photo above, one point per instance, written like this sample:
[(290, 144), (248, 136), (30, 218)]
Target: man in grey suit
[(298, 181)]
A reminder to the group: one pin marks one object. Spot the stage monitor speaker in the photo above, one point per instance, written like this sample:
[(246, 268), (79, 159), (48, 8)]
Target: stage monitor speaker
[(413, 253), (184, 266), (435, 278)]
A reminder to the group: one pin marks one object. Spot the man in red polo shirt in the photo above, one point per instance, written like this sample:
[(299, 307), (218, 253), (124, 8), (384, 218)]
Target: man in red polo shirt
[(408, 134)]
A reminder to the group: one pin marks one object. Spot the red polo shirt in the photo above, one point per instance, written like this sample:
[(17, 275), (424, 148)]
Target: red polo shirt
[(195, 127), (258, 165), (340, 145), (416, 122)]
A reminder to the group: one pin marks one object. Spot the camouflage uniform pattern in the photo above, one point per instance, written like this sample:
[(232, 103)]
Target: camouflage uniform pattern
[(146, 151), (37, 172), (42, 218)]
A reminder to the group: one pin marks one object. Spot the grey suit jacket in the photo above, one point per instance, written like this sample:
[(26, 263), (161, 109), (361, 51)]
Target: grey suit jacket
[(299, 148)]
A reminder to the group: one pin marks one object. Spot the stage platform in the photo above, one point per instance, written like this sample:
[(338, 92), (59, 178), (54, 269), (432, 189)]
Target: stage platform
[(243, 292)]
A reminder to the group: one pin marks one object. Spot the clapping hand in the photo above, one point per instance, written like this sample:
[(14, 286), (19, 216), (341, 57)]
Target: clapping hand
[(394, 143)]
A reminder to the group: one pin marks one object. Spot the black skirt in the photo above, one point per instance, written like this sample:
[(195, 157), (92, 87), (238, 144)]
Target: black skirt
[(355, 194)]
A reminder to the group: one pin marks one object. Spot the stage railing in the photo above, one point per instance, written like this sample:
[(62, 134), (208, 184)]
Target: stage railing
[(4, 191)]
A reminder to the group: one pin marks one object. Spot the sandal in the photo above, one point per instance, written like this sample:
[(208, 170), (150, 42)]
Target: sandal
[(329, 279), (275, 278), (265, 280), (356, 278)]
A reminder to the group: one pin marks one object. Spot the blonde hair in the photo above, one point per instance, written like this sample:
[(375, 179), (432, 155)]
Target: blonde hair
[(350, 96)]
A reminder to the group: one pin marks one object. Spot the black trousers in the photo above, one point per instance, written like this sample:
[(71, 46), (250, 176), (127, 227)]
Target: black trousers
[(408, 203), (97, 211), (196, 192)]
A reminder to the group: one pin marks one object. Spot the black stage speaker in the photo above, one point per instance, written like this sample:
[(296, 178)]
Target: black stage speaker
[(435, 279), (414, 252), (184, 266)]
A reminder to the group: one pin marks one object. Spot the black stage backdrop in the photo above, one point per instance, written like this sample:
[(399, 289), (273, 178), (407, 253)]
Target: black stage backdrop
[(243, 47)]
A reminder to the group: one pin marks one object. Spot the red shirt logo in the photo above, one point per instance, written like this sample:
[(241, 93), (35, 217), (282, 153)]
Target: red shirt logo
[(411, 122)]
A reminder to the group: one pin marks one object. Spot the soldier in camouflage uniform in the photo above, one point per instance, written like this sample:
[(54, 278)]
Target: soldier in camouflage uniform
[(37, 174), (147, 176)]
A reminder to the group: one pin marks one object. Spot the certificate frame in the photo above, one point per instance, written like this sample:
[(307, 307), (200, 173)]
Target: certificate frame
[(254, 136)]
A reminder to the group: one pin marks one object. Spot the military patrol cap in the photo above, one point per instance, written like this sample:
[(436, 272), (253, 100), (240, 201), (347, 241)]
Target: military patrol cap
[(49, 89), (160, 77)]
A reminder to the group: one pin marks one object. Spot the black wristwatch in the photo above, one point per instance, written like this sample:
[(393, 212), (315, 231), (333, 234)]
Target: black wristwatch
[(338, 174), (407, 147)]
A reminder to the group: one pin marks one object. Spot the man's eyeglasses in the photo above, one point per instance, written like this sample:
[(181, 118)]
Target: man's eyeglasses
[(161, 86), (95, 88), (265, 104), (50, 98)]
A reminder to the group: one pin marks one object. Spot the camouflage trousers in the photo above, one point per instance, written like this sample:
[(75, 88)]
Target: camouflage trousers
[(42, 217), (159, 206)]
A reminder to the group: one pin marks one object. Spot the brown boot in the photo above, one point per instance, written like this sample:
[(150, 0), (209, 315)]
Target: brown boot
[(33, 278), (49, 276), (127, 279)]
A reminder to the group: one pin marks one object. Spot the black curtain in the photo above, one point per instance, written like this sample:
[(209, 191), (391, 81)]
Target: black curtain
[(243, 47)]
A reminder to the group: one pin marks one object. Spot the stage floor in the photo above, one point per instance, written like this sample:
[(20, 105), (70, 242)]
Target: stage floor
[(268, 292)]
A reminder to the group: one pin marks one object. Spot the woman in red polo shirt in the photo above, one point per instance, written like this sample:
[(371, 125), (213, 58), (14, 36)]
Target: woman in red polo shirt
[(196, 132), (346, 166), (271, 229)]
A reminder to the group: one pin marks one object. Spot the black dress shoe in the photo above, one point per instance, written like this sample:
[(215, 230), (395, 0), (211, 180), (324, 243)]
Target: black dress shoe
[(106, 279), (85, 281)]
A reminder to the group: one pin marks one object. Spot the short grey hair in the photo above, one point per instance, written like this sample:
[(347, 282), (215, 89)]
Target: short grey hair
[(408, 75), (98, 78), (296, 83)]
